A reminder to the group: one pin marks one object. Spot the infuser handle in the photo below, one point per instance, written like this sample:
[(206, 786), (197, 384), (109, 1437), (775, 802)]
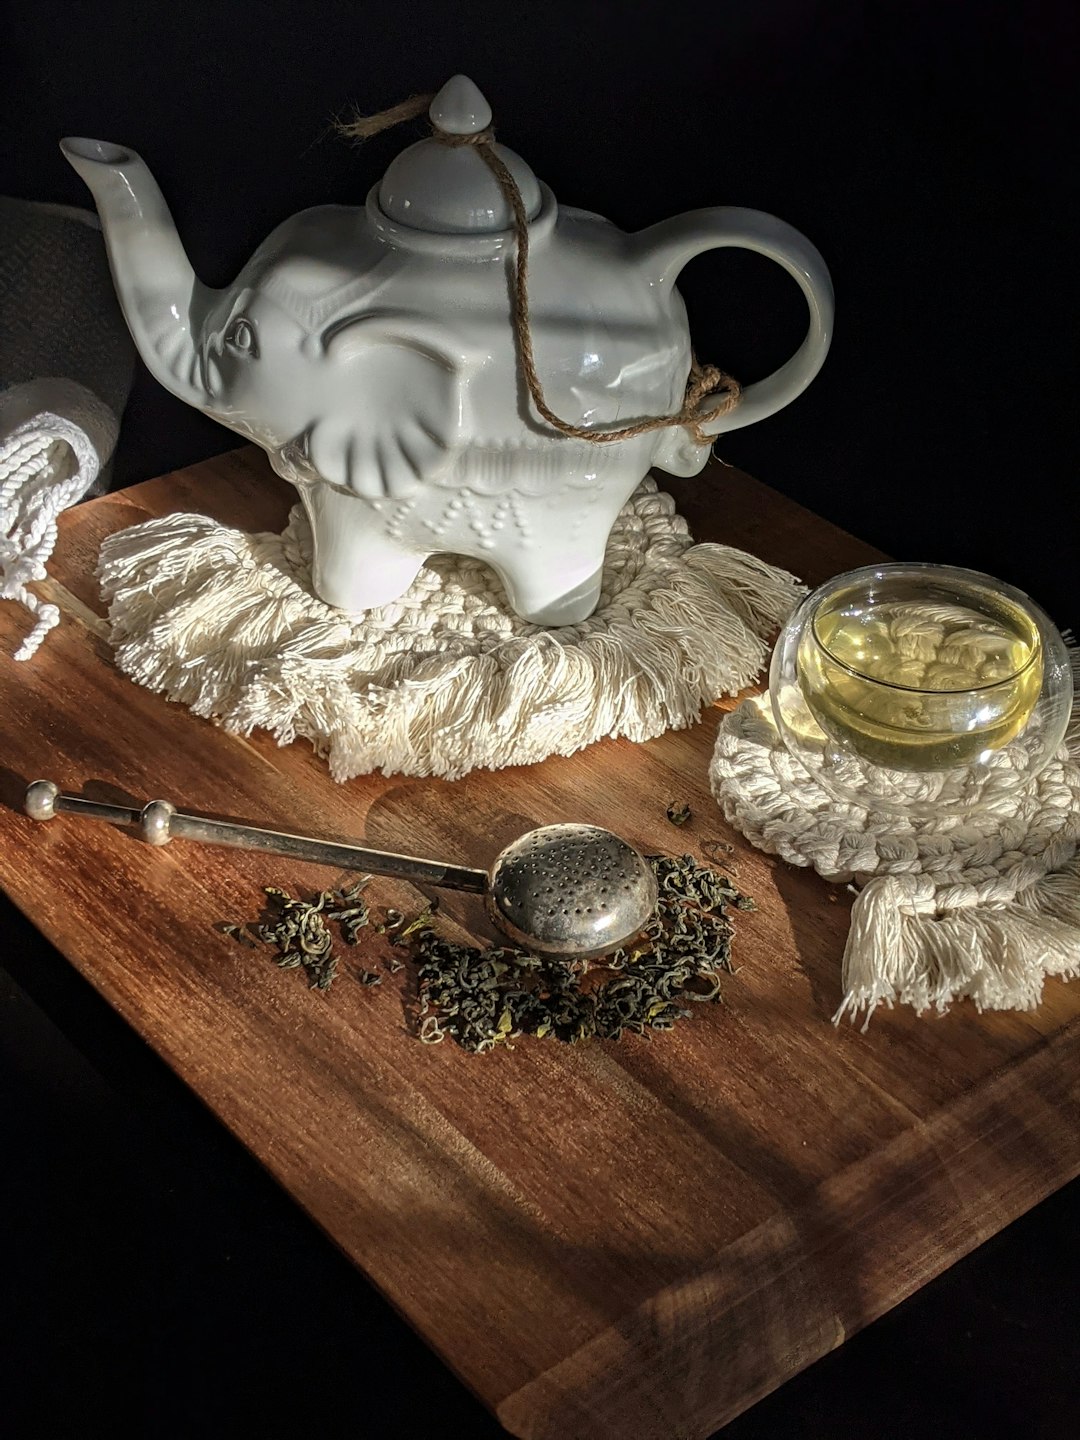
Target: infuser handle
[(160, 821)]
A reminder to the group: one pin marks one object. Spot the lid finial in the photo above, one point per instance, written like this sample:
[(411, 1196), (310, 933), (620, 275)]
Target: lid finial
[(443, 185), (460, 108)]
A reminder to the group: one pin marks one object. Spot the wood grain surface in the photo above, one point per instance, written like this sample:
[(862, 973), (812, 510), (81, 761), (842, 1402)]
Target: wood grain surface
[(631, 1240)]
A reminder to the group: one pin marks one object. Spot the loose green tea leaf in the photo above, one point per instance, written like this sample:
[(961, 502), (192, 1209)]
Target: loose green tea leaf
[(393, 922), (424, 921), (239, 932), (481, 998), (678, 814), (298, 931), (351, 913)]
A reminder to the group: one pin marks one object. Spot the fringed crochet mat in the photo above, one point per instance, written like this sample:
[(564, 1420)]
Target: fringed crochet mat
[(447, 679), (985, 907)]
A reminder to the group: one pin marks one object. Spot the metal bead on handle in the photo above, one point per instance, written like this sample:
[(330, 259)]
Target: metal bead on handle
[(41, 798), (155, 822)]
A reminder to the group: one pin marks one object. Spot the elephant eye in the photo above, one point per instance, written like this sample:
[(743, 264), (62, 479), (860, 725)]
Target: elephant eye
[(241, 336)]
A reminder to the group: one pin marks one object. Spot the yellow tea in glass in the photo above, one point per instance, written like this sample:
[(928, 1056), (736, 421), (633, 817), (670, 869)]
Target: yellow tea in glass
[(912, 675)]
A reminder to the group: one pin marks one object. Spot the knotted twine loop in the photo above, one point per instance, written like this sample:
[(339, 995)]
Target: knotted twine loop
[(704, 380)]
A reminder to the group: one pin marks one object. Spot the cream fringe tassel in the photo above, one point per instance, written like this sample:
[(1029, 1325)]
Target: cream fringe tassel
[(447, 679), (985, 910)]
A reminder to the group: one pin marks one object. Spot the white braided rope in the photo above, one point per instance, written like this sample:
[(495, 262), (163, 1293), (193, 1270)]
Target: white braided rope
[(48, 462), (446, 679), (984, 907)]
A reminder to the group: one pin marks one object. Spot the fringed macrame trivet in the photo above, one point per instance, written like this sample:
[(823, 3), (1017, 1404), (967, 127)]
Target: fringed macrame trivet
[(447, 679), (984, 907)]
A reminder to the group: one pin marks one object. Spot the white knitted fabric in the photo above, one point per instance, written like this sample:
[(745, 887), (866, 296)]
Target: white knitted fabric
[(984, 907), (65, 370), (447, 679), (54, 435)]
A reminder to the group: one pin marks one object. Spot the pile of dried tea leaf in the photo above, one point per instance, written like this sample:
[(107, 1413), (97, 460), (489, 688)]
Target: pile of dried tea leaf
[(481, 997), (478, 998), (298, 931)]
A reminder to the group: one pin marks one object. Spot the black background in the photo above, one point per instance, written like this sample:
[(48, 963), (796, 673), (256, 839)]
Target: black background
[(922, 147), (153, 1274)]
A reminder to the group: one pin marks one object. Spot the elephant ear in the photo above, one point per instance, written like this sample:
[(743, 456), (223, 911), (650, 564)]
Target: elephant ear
[(392, 415)]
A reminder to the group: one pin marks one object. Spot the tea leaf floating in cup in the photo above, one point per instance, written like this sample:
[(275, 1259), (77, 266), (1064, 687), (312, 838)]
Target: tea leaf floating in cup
[(921, 686), (901, 686)]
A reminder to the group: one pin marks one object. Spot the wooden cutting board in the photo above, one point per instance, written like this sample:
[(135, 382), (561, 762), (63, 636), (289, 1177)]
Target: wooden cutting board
[(632, 1240)]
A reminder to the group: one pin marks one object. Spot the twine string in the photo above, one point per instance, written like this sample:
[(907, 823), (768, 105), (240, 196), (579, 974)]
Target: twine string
[(703, 380)]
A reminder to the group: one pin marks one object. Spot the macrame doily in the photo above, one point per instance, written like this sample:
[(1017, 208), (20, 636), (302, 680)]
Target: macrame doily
[(447, 679), (984, 907)]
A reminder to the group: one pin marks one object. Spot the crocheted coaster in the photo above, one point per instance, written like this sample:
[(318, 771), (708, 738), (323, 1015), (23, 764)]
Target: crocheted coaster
[(984, 907), (448, 678)]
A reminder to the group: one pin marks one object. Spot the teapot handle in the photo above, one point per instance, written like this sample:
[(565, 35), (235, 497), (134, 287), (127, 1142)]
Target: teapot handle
[(665, 248)]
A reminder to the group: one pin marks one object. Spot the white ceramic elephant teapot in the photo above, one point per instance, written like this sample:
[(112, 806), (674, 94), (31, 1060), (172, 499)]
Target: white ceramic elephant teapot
[(373, 353)]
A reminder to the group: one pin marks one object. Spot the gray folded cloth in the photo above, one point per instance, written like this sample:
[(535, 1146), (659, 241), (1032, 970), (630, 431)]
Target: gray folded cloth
[(66, 366)]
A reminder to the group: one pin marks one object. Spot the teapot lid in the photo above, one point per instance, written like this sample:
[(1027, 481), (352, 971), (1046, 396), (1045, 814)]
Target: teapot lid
[(447, 189)]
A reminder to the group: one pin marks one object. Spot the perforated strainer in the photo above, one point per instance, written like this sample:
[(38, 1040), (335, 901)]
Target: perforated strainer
[(563, 890)]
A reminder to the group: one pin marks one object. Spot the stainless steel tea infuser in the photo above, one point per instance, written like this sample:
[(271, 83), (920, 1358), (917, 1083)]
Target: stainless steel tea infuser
[(561, 890)]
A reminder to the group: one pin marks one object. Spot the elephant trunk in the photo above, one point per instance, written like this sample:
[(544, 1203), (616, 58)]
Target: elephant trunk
[(162, 300)]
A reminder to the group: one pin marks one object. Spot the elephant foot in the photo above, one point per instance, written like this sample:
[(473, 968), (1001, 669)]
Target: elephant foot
[(357, 564), (364, 582), (554, 595)]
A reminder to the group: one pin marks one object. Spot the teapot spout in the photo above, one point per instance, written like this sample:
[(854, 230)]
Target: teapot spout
[(162, 300)]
